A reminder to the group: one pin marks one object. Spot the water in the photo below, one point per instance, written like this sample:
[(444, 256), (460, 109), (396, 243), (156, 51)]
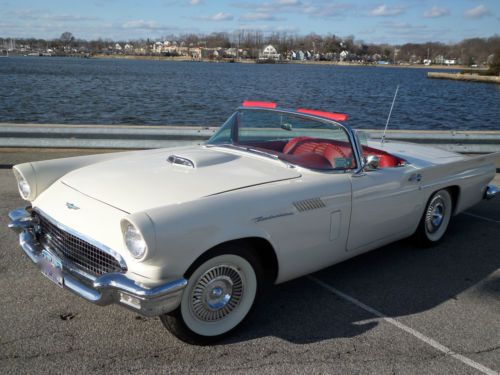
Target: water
[(87, 91)]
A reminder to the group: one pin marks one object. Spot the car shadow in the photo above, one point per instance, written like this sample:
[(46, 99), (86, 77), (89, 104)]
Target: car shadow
[(398, 280)]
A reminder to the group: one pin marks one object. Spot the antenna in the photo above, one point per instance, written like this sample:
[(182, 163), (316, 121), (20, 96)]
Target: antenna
[(389, 117)]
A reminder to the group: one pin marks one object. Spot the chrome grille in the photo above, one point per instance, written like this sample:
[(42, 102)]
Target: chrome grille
[(75, 250)]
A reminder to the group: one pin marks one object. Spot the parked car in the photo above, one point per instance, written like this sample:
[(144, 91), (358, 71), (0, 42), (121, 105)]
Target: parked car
[(193, 234)]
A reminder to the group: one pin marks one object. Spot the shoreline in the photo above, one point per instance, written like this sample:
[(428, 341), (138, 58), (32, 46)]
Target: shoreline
[(252, 61), (292, 62)]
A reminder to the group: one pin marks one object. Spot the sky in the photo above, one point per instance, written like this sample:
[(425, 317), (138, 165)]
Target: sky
[(389, 21)]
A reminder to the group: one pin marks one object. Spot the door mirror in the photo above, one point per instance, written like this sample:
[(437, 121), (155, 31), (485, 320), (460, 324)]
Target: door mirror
[(371, 162)]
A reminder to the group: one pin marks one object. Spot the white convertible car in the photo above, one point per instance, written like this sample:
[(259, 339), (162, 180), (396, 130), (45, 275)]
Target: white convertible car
[(193, 234)]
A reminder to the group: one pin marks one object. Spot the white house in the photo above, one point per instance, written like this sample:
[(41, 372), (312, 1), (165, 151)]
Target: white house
[(269, 53)]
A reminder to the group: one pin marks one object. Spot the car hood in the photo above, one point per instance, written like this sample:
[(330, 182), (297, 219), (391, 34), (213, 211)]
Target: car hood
[(147, 179)]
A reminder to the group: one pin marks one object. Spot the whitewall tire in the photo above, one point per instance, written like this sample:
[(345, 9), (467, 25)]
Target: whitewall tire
[(220, 293), (436, 217)]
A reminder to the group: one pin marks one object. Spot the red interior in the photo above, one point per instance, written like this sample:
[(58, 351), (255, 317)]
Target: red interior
[(318, 153), (386, 160), (329, 150)]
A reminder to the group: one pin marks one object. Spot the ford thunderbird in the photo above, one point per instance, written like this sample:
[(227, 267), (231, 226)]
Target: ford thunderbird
[(193, 234)]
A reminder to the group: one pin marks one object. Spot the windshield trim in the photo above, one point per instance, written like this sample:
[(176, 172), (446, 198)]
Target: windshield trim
[(348, 130)]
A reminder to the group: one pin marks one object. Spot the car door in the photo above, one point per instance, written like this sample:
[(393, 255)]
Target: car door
[(386, 206), (309, 223)]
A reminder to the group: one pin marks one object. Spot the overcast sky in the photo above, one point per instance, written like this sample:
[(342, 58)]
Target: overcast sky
[(370, 21)]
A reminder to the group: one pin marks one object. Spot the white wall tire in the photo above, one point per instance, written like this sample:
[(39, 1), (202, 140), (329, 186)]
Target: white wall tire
[(436, 217), (221, 292)]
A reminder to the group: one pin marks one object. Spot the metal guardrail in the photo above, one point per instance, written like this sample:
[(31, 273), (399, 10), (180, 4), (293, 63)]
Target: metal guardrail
[(467, 142), (139, 136)]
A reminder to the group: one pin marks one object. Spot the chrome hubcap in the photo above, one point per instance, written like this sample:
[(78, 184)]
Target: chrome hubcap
[(217, 293), (435, 215)]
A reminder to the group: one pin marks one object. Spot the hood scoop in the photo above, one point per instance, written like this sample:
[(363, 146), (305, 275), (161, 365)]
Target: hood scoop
[(200, 158), (179, 160)]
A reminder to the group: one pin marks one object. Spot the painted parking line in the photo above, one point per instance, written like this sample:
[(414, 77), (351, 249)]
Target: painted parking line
[(482, 217), (411, 331)]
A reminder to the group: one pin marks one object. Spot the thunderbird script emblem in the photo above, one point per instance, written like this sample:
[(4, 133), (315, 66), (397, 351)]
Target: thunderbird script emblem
[(71, 206)]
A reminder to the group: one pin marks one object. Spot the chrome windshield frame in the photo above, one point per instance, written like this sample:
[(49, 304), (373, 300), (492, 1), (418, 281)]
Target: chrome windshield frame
[(349, 131)]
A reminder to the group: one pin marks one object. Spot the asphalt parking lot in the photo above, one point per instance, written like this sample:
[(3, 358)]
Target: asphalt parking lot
[(399, 309)]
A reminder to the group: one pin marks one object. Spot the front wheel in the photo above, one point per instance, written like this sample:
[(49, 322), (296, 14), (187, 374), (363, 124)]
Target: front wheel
[(436, 218), (220, 293)]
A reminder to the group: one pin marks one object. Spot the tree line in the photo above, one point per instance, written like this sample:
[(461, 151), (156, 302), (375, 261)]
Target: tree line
[(468, 51)]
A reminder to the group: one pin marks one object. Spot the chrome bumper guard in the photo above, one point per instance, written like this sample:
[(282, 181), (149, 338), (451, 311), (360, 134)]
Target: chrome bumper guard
[(491, 191), (103, 290)]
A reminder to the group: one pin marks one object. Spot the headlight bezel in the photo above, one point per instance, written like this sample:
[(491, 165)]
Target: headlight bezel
[(134, 240), (23, 182)]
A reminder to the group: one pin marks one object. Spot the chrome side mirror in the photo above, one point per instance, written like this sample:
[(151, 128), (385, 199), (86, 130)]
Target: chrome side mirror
[(371, 162)]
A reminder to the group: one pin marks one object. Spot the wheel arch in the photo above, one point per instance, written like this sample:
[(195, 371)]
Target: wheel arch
[(454, 191), (264, 251)]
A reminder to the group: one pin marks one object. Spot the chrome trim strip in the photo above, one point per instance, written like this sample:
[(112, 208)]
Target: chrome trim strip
[(83, 237), (121, 282), (270, 217)]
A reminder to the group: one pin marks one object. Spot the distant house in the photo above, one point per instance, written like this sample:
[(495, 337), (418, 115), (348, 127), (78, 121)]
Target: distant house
[(269, 53), (298, 55), (195, 53), (450, 61), (231, 52), (439, 59), (157, 47), (118, 47), (128, 47), (343, 55), (209, 53)]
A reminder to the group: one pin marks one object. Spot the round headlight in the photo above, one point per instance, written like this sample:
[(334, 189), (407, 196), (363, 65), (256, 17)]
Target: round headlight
[(134, 241), (22, 185)]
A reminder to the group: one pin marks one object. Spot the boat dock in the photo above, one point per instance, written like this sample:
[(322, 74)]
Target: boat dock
[(464, 77)]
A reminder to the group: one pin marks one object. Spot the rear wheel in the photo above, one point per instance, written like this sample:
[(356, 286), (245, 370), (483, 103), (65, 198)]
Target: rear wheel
[(436, 218), (220, 293)]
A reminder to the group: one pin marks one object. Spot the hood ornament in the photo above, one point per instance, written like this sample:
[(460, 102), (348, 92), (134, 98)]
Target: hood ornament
[(72, 206)]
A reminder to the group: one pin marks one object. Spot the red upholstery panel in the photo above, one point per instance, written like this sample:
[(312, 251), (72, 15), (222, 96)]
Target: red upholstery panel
[(291, 144), (310, 160), (329, 149), (386, 160), (337, 151)]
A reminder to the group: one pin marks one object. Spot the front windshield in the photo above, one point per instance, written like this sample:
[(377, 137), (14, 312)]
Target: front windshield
[(302, 141)]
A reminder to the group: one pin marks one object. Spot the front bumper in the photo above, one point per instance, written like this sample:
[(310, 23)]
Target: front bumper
[(101, 290)]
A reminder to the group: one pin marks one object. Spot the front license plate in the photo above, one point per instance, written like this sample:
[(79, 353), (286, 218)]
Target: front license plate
[(51, 267)]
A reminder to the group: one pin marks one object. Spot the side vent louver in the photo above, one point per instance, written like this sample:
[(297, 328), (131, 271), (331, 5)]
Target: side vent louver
[(309, 204), (179, 160)]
